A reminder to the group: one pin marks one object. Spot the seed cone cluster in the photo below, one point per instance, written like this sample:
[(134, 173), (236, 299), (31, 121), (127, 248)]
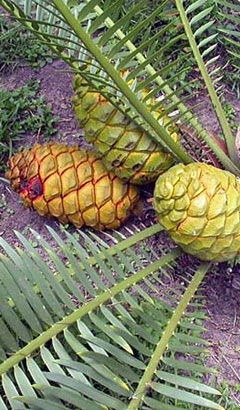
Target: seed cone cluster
[(199, 206), (71, 185), (125, 148)]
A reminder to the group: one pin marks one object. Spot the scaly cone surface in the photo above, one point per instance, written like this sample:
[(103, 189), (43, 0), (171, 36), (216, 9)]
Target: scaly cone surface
[(199, 206), (71, 185), (126, 150)]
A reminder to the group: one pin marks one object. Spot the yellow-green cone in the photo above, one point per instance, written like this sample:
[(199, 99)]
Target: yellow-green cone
[(199, 206), (125, 149)]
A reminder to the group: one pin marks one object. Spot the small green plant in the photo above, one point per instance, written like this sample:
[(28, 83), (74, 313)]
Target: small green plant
[(231, 70), (231, 115), (21, 113), (20, 48), (3, 202), (4, 205), (27, 231), (231, 77), (226, 401)]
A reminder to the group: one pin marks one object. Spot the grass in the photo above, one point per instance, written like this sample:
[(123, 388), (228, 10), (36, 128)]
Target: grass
[(22, 113), (4, 205), (227, 391)]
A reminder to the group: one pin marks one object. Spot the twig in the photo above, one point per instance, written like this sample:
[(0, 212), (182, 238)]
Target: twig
[(230, 365), (5, 180)]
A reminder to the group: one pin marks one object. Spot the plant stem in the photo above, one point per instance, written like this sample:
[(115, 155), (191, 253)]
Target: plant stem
[(151, 70), (127, 243), (94, 50), (201, 132), (108, 294), (160, 135), (210, 87), (166, 336)]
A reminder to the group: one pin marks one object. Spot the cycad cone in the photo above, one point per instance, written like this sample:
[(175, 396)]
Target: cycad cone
[(199, 206), (71, 185), (126, 150)]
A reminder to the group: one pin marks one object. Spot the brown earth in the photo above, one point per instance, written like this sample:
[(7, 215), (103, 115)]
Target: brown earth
[(222, 285)]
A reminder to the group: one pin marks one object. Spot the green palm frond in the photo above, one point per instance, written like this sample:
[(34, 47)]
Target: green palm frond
[(101, 327), (63, 32), (228, 12), (77, 33), (192, 18)]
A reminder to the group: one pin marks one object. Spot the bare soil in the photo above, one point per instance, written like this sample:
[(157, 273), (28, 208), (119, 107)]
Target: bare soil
[(222, 285)]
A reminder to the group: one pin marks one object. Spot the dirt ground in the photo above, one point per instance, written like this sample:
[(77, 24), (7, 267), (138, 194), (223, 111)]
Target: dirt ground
[(222, 285)]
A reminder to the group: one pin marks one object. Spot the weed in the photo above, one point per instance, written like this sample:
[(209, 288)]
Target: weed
[(3, 202), (231, 70), (20, 48), (4, 205), (21, 113), (69, 244), (237, 387), (226, 400), (230, 113), (27, 231), (231, 77)]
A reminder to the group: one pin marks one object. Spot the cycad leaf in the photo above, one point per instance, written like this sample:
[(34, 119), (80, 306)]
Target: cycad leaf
[(69, 26), (136, 108), (228, 12), (99, 352), (189, 21), (185, 396), (185, 382)]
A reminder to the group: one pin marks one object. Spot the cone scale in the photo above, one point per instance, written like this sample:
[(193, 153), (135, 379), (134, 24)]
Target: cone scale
[(71, 185)]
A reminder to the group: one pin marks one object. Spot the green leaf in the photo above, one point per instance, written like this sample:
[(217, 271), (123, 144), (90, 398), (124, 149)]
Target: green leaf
[(192, 367), (89, 392), (213, 95), (112, 384), (200, 15), (186, 382), (185, 396), (98, 354)]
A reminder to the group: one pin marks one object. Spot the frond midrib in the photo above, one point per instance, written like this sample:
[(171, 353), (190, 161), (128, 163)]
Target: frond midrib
[(108, 294), (168, 333), (125, 244)]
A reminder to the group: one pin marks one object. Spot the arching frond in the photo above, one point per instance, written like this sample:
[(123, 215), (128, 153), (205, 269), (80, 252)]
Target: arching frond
[(229, 11), (202, 49), (100, 327), (78, 32)]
